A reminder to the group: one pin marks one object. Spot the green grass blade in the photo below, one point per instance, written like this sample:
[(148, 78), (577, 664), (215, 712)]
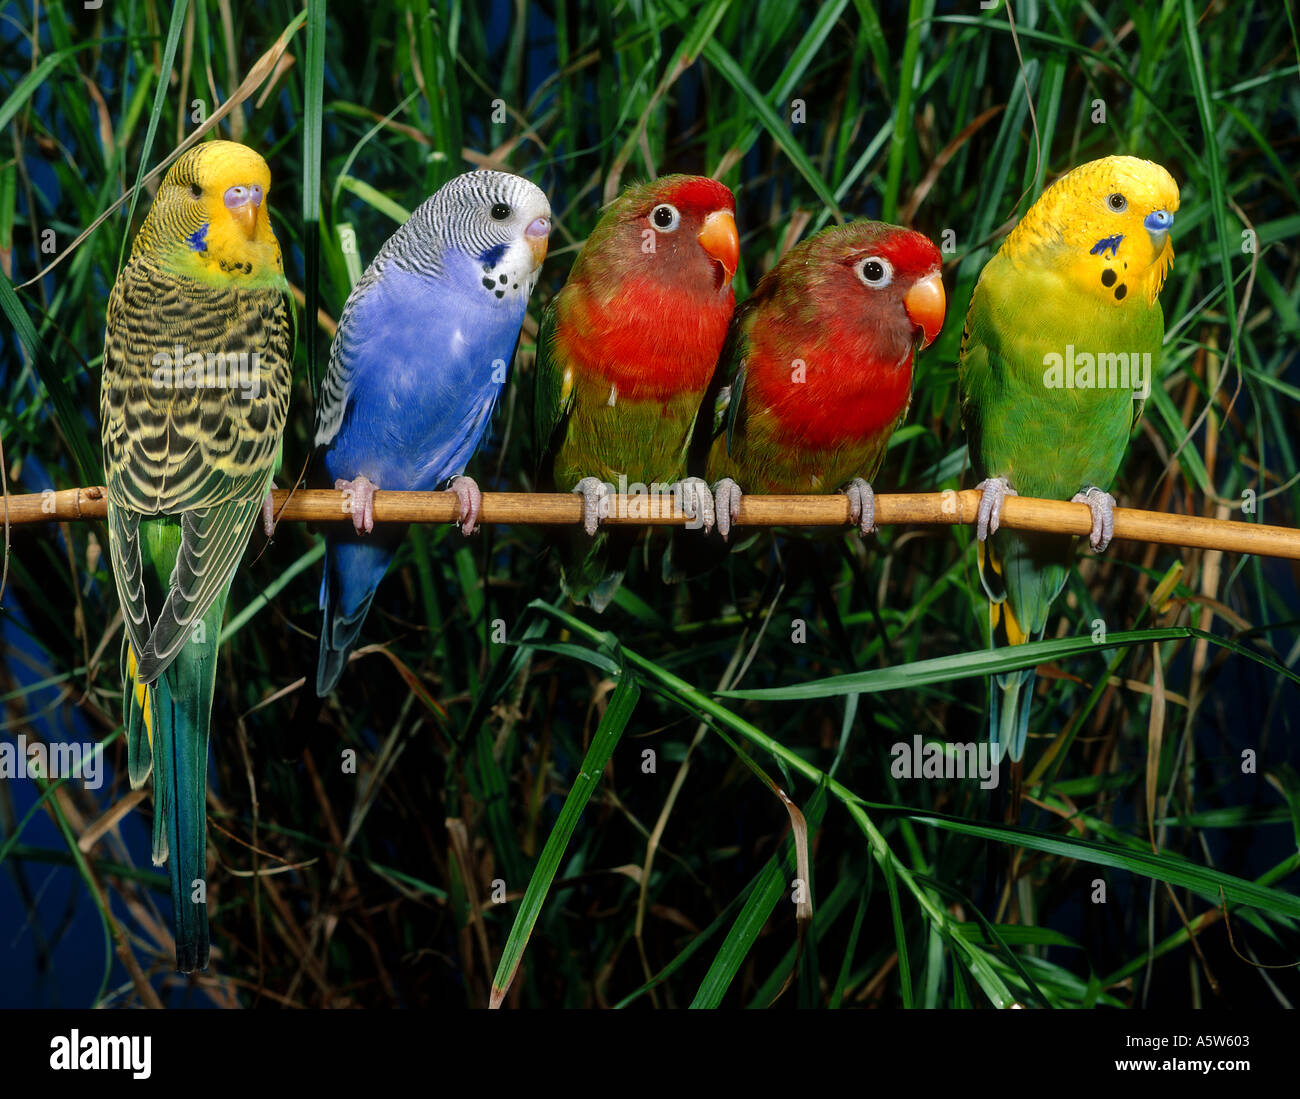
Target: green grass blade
[(772, 885), (377, 199), (621, 704), (942, 669), (29, 84), (779, 130), (160, 100), (903, 124), (1160, 866), (313, 110), (74, 427)]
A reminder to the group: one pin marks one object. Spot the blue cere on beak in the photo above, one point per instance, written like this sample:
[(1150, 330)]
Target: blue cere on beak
[(1158, 221)]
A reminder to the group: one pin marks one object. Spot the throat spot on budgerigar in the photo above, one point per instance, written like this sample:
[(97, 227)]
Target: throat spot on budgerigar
[(499, 282)]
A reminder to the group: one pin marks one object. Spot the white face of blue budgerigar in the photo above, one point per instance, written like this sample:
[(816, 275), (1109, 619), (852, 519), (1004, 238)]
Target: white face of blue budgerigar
[(489, 227)]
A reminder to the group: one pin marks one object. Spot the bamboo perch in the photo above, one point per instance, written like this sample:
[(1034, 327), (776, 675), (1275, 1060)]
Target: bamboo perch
[(550, 509)]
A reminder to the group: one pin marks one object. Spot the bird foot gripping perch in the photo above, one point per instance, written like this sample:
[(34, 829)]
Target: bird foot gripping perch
[(471, 502), (268, 515), (697, 503), (993, 491), (359, 500), (595, 503), (1102, 506), (726, 505), (862, 505)]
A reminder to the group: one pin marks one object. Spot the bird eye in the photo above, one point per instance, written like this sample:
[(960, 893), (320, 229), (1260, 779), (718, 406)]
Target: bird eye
[(500, 211), (1117, 202), (874, 272), (665, 217), (196, 190)]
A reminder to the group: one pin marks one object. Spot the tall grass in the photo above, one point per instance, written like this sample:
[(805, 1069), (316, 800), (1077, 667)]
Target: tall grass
[(483, 835)]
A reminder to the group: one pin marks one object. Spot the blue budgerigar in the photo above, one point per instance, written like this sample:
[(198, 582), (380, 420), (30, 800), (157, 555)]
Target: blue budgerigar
[(415, 370)]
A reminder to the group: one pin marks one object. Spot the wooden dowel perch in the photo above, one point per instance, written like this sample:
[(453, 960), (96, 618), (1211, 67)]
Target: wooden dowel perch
[(551, 509)]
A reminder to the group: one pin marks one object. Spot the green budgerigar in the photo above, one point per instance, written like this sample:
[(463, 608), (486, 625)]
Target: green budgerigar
[(197, 364), (1061, 345)]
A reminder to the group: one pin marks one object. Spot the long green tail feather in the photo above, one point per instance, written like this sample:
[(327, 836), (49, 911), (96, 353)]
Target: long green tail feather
[(168, 724), (592, 568), (181, 702), (1011, 696), (1022, 576)]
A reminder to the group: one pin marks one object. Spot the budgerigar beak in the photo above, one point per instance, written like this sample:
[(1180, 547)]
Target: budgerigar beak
[(925, 304), (1158, 223), (538, 236), (721, 241), (243, 202)]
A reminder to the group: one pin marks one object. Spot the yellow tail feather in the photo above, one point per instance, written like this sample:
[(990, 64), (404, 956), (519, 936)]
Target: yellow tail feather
[(1000, 612), (981, 548), (1015, 634), (141, 693)]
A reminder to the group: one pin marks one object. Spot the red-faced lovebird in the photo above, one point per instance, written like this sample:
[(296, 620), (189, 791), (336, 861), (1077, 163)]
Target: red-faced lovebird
[(818, 366), (625, 353), (416, 367)]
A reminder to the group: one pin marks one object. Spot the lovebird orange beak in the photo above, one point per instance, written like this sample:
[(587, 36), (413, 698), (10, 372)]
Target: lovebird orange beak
[(720, 239), (925, 304)]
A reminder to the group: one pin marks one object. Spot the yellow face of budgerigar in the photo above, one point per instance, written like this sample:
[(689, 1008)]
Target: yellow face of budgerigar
[(210, 216), (1105, 225)]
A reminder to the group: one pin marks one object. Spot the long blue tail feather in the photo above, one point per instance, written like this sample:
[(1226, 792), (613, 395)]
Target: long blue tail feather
[(353, 569)]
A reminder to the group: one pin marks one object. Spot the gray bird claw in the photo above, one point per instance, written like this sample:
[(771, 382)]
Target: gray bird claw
[(862, 505), (471, 502), (595, 503), (697, 503), (726, 505), (268, 515), (359, 502), (993, 491), (1102, 506)]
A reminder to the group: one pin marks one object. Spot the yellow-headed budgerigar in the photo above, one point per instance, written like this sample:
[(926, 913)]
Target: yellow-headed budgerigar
[(1062, 341), (197, 364)]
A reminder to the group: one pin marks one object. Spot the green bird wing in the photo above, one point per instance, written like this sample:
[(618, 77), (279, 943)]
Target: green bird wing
[(721, 410), (1155, 326), (175, 444), (553, 393), (128, 573), (728, 409), (973, 372)]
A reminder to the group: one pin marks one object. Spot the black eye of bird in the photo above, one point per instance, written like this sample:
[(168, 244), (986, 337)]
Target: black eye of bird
[(1117, 202), (666, 217), (500, 212), (874, 271), (196, 190)]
